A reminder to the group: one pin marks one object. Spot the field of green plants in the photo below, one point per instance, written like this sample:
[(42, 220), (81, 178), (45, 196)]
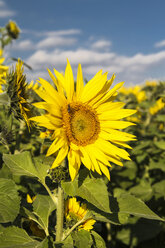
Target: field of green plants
[(67, 206)]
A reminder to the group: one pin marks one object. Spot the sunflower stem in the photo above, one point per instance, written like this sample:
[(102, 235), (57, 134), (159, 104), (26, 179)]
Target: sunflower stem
[(73, 227), (60, 214), (53, 196)]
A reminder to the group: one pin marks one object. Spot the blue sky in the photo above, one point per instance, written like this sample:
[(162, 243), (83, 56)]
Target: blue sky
[(125, 37)]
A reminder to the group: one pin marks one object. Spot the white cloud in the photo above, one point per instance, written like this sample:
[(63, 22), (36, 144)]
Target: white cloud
[(2, 3), (130, 69), (160, 44), (53, 50), (63, 32), (5, 11), (23, 45), (55, 41), (101, 44)]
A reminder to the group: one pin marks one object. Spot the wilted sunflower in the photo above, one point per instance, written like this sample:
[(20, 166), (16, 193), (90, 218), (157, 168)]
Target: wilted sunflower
[(3, 70), (84, 120), (18, 93), (74, 213)]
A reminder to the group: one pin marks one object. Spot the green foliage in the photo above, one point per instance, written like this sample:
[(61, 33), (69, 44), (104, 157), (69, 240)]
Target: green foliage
[(42, 208), (9, 200), (14, 237), (144, 177), (92, 189)]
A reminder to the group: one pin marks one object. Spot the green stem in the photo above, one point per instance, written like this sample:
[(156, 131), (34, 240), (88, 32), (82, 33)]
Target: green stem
[(60, 214), (73, 227), (54, 198)]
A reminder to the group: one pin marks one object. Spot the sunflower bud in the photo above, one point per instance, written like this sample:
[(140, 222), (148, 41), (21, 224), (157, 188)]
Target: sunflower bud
[(13, 30)]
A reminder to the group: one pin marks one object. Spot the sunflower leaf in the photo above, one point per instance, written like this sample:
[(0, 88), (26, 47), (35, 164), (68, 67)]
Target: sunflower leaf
[(126, 203), (9, 200), (14, 237), (42, 207), (21, 164), (82, 239), (98, 240), (94, 190)]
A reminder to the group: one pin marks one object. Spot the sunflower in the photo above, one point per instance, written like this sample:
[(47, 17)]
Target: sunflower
[(158, 106), (85, 121), (3, 70), (13, 30), (18, 94), (74, 213)]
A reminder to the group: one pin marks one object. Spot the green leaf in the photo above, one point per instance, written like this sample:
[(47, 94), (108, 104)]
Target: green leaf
[(98, 240), (157, 165), (21, 164), (160, 144), (68, 242), (94, 190), (42, 208), (159, 188), (99, 215), (131, 205), (44, 244), (42, 169), (82, 239), (14, 237), (143, 190), (160, 118), (9, 200), (138, 232)]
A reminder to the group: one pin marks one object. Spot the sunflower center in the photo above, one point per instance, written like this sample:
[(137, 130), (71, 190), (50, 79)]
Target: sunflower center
[(81, 123)]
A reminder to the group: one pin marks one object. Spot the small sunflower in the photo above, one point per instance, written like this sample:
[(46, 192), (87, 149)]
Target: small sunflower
[(74, 213), (136, 91), (157, 106), (85, 121), (12, 29), (3, 71), (18, 93)]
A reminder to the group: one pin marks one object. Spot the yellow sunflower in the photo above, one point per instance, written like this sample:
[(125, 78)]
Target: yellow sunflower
[(85, 121), (74, 213), (18, 94), (158, 106), (3, 71), (13, 29)]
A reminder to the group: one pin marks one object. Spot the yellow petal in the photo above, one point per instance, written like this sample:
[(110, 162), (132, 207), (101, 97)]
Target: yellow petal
[(105, 170), (69, 81), (57, 144), (79, 84), (116, 114), (60, 157), (108, 94)]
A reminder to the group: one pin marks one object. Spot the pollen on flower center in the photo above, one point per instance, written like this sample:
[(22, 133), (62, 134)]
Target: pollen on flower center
[(81, 123)]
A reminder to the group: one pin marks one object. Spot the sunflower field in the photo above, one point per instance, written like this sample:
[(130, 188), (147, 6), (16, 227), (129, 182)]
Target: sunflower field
[(81, 164)]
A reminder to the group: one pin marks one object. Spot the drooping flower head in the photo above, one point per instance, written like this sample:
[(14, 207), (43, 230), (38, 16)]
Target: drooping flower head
[(3, 70), (74, 213), (18, 93), (85, 121)]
